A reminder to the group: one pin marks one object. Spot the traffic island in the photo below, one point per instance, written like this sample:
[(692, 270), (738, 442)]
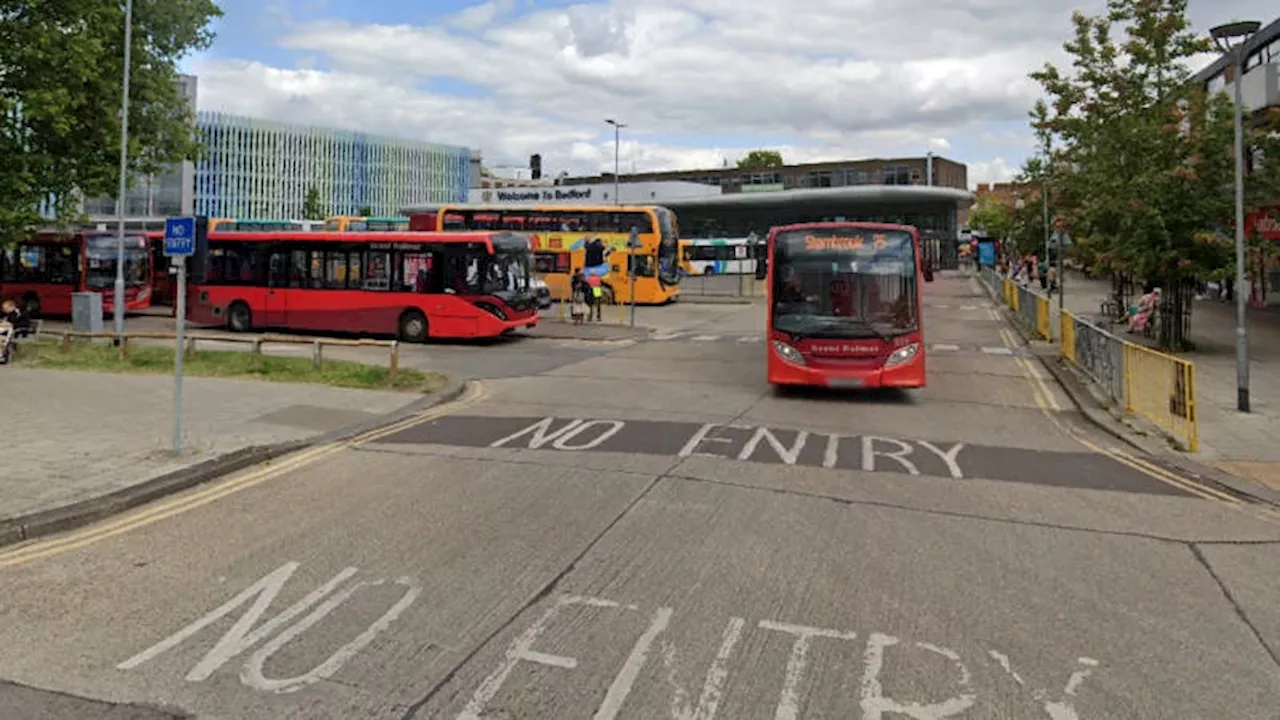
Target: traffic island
[(105, 357)]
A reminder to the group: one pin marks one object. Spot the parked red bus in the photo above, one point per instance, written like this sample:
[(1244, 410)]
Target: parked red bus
[(409, 284), (42, 272), (162, 281), (844, 305)]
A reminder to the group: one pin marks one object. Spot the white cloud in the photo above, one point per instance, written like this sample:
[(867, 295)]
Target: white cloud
[(996, 170), (824, 79)]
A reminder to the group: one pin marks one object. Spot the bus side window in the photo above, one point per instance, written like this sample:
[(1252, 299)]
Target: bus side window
[(298, 269), (378, 271), (277, 271)]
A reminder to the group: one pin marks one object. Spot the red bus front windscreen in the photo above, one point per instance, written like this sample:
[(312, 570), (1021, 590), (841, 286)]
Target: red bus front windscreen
[(844, 283)]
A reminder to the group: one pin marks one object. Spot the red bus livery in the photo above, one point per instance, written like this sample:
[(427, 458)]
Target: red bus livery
[(844, 305), (412, 285), (42, 272)]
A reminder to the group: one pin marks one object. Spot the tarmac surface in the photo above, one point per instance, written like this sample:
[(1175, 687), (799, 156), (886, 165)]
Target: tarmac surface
[(645, 529)]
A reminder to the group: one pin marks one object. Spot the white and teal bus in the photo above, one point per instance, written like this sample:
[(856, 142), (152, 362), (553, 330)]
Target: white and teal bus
[(717, 256)]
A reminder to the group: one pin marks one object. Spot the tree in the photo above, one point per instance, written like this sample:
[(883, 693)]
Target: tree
[(60, 90), (760, 159), (312, 209), (994, 217), (365, 211), (1143, 166)]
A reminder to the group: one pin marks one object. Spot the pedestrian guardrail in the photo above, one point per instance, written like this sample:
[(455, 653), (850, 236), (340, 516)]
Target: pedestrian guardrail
[(255, 343), (1154, 385)]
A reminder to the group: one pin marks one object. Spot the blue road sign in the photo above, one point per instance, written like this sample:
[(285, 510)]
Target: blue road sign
[(180, 236)]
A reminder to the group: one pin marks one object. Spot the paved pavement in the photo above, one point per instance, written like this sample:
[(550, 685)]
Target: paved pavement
[(1247, 445), (71, 436), (649, 531)]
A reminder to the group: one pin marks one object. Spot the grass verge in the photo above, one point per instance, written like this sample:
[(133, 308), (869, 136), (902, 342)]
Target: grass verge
[(102, 357)]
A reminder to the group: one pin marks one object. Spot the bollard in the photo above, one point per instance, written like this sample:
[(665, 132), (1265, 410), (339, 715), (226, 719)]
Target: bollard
[(256, 346), (191, 347), (66, 343), (123, 348), (316, 354), (393, 365)]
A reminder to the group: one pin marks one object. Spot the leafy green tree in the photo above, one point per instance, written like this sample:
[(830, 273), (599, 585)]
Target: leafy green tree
[(365, 211), (760, 159), (312, 208), (994, 217), (1143, 167), (61, 64)]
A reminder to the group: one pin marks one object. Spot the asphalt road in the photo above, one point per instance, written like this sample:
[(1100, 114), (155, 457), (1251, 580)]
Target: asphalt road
[(646, 531)]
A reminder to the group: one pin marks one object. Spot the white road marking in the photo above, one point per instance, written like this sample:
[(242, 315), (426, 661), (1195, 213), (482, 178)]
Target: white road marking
[(243, 635), (562, 442), (788, 455), (997, 350), (875, 706), (522, 649), (667, 335), (969, 307), (626, 679), (945, 347), (750, 339), (705, 338), (789, 699), (713, 685), (869, 453), (541, 431), (948, 456)]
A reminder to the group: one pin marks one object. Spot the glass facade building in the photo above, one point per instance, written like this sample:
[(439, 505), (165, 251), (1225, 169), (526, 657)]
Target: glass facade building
[(261, 169)]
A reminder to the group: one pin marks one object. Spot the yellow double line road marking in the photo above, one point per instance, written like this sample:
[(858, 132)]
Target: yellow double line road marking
[(156, 512), (1047, 402)]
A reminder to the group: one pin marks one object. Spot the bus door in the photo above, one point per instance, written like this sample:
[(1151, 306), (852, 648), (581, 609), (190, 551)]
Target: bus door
[(282, 274)]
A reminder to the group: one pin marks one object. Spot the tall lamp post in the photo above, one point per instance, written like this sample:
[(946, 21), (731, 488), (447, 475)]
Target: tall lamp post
[(1226, 37), (617, 183), (118, 300)]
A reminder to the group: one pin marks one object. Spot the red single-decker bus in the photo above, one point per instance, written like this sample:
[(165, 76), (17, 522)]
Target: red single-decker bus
[(412, 285), (844, 307), (42, 272)]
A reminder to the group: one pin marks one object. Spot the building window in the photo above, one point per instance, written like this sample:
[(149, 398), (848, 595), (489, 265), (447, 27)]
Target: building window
[(762, 178), (818, 178), (895, 175)]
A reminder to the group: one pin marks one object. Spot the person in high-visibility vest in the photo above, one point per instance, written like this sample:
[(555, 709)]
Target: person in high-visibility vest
[(595, 299)]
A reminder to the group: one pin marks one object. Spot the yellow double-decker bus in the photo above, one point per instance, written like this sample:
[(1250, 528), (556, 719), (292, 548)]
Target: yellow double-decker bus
[(593, 239), (354, 223)]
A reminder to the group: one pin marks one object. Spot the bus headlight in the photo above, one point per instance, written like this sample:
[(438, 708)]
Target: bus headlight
[(904, 354), (788, 353), (493, 310)]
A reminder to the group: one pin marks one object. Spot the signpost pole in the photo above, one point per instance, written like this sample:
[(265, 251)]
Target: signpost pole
[(179, 351), (179, 242)]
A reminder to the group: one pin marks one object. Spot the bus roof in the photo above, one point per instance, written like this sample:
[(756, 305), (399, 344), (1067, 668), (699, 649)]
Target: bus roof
[(488, 238), (847, 225)]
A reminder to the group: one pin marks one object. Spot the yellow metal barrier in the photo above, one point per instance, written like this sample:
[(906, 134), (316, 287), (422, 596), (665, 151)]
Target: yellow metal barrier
[(1067, 335), (1161, 388), (1042, 318)]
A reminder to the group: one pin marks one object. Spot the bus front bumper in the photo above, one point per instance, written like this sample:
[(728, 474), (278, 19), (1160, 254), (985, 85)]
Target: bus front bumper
[(908, 374)]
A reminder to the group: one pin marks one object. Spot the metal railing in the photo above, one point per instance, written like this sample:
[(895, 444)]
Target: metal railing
[(1142, 381), (1162, 388), (255, 343)]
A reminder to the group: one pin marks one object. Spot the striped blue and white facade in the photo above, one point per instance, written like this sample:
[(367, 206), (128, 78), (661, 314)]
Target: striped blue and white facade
[(261, 169)]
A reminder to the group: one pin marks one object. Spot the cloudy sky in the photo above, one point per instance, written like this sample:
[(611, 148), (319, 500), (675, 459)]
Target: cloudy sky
[(696, 81)]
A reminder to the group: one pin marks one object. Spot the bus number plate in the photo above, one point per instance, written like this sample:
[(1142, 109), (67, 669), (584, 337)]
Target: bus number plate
[(847, 382)]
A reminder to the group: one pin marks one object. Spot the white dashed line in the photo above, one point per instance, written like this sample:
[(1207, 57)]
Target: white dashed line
[(750, 339), (947, 348), (706, 338), (997, 350)]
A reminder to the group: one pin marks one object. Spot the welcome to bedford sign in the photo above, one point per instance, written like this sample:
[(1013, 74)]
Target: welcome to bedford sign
[(530, 195)]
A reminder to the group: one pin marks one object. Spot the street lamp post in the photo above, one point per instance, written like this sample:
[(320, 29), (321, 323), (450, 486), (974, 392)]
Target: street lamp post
[(118, 300), (617, 182), (1224, 36)]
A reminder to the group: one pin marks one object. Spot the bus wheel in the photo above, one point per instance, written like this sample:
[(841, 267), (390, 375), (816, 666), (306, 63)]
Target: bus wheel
[(413, 327), (239, 318), (31, 305)]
